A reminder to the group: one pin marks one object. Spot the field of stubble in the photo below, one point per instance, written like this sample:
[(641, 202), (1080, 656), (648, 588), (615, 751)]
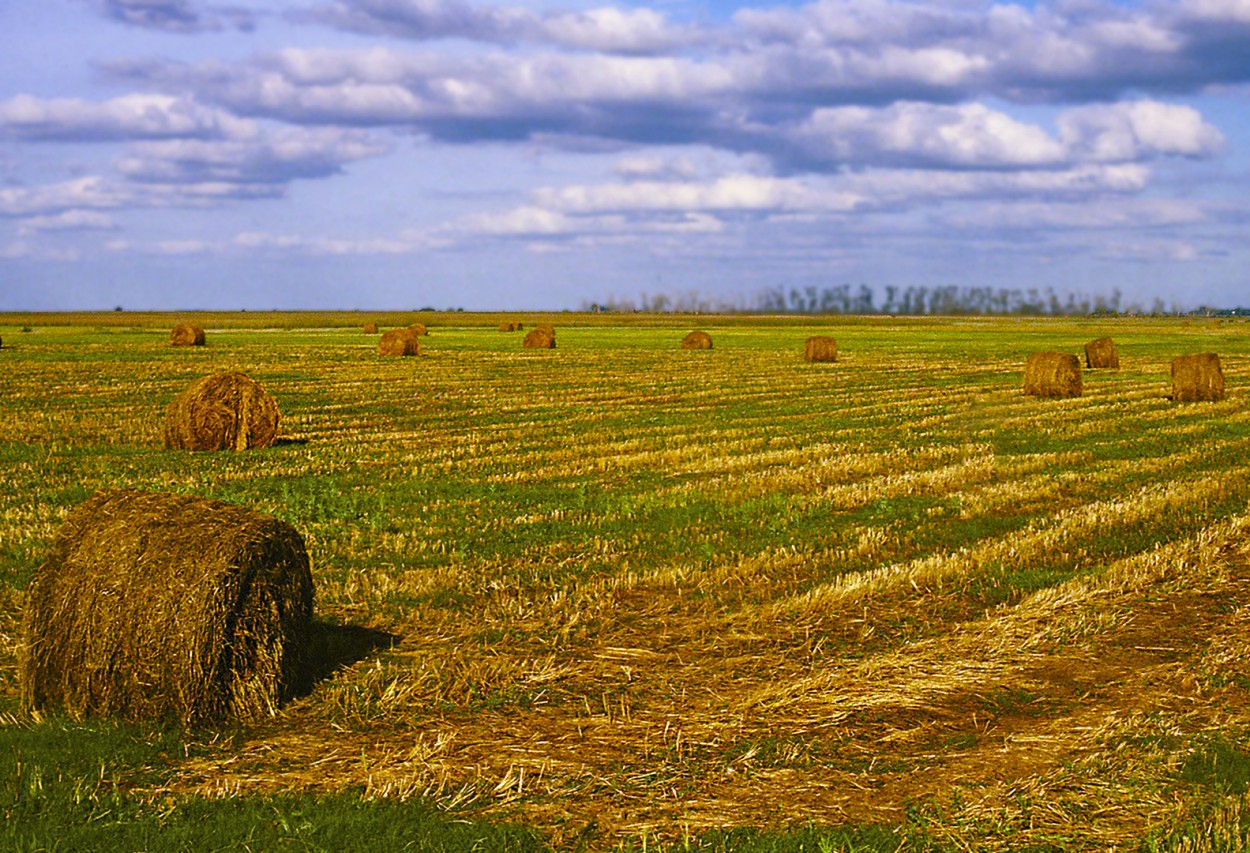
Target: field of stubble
[(628, 596)]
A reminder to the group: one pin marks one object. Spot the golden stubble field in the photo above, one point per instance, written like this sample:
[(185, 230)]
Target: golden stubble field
[(619, 590)]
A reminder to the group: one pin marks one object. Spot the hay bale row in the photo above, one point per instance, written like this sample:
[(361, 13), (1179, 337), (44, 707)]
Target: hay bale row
[(820, 348), (226, 411), (1197, 378), (697, 340), (1052, 374), (399, 342), (187, 335), (162, 606), (510, 326)]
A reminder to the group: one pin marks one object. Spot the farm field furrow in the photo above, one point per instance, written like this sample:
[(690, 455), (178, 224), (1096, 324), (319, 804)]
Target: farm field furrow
[(619, 591)]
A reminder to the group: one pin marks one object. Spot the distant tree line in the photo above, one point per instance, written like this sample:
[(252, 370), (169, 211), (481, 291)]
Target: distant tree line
[(948, 300)]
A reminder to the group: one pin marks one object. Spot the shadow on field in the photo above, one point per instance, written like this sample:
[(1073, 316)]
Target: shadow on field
[(339, 646)]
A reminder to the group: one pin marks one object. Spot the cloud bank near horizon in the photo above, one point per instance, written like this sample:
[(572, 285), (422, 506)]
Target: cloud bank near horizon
[(838, 139)]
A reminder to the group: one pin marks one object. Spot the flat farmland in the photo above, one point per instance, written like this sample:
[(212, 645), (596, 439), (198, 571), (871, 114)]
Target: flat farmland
[(626, 596)]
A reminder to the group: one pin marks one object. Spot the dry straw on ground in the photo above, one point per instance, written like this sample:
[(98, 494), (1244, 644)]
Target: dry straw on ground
[(163, 606), (1052, 374), (226, 411), (371, 328), (187, 335), (399, 342), (418, 329), (540, 338), (697, 340), (1197, 378), (820, 348), (1102, 354)]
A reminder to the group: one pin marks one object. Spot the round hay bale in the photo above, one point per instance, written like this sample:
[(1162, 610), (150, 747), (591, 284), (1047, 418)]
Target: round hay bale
[(543, 327), (163, 606), (371, 328), (226, 411), (1197, 378), (418, 329), (399, 342), (507, 326), (539, 339), (820, 348), (1101, 354), (1052, 374), (187, 335), (697, 340)]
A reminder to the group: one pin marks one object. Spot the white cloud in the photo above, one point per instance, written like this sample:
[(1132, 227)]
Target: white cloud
[(69, 220), (138, 116), (1137, 129)]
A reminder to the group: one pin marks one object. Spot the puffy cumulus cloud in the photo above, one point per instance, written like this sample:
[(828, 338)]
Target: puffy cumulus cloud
[(179, 16), (138, 116), (276, 157), (69, 220), (607, 29), (89, 193), (1137, 129), (917, 134)]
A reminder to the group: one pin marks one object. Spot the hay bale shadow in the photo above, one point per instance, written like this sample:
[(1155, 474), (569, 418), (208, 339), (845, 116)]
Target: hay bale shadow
[(337, 647)]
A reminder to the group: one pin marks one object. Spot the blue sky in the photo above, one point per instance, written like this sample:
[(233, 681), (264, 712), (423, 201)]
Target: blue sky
[(179, 154)]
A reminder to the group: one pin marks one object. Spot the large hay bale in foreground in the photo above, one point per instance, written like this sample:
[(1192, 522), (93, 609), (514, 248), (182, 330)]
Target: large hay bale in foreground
[(543, 327), (399, 342), (1101, 354), (1052, 374), (697, 340), (187, 335), (820, 348), (371, 328), (418, 329), (539, 338), (162, 606), (1197, 378), (226, 411)]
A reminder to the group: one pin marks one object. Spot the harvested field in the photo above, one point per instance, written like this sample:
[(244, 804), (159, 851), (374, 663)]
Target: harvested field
[(645, 596)]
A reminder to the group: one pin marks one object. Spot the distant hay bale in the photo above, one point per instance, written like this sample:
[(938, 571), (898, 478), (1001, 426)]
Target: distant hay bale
[(371, 328), (399, 342), (226, 411), (187, 335), (508, 326), (820, 348), (1101, 354), (1052, 374), (1197, 378), (164, 606), (539, 338), (697, 340), (418, 329)]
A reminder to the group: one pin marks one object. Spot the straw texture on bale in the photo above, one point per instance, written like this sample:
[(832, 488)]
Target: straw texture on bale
[(1197, 378), (543, 327), (418, 329), (163, 606), (538, 338), (507, 326), (371, 328), (187, 335), (820, 348), (1101, 354), (697, 340), (1052, 374), (399, 342), (226, 411)]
